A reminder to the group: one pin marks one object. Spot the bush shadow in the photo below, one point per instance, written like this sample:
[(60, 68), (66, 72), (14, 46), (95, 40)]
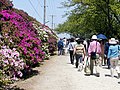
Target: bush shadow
[(30, 74), (12, 88)]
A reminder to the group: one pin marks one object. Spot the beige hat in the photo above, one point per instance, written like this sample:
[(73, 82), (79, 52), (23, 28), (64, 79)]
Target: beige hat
[(94, 37), (112, 41)]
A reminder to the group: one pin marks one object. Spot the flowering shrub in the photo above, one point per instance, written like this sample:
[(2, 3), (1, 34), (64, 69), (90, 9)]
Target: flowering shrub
[(4, 79), (44, 38), (6, 4), (25, 37), (11, 62), (52, 44), (24, 42), (52, 40)]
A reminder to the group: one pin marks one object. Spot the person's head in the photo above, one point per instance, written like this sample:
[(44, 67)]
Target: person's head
[(60, 38), (79, 41), (72, 40), (112, 41), (76, 39), (94, 37)]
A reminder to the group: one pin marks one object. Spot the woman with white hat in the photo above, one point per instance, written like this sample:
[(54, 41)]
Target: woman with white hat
[(94, 47), (113, 53)]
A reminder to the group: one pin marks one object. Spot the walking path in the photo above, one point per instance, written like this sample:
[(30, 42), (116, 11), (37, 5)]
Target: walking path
[(58, 74)]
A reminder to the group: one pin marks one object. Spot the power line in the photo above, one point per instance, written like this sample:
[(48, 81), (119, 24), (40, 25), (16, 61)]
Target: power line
[(34, 9), (39, 3)]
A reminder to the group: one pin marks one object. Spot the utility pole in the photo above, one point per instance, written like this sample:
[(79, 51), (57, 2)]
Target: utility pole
[(44, 12), (52, 20)]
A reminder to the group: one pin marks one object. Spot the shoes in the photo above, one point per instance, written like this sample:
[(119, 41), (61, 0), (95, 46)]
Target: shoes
[(118, 75), (97, 74), (72, 63), (108, 67), (91, 74)]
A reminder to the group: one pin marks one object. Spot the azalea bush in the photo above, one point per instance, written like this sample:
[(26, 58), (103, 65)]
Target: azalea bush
[(52, 40), (12, 64), (5, 4), (25, 37), (52, 44), (44, 38), (24, 42), (4, 79)]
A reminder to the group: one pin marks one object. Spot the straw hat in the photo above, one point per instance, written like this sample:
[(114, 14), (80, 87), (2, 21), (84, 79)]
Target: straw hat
[(112, 41), (94, 37)]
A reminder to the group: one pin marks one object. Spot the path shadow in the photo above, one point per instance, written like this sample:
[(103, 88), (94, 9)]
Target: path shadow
[(90, 74), (12, 88), (30, 74), (68, 63), (107, 75), (118, 82), (87, 74)]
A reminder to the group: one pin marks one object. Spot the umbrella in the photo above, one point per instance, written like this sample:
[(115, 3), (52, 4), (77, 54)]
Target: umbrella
[(101, 36)]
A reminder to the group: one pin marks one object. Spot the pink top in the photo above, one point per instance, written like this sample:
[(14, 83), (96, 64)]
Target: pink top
[(93, 46)]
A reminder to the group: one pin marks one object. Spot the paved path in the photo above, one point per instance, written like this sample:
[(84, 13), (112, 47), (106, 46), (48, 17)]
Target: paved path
[(59, 74)]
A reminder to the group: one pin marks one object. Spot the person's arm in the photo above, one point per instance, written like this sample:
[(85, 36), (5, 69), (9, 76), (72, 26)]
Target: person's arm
[(84, 51), (99, 48), (108, 55), (74, 50), (89, 50)]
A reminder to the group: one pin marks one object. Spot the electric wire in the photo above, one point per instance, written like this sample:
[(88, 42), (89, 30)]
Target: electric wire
[(34, 9)]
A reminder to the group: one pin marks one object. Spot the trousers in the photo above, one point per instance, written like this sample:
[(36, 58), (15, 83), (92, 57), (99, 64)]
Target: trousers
[(96, 63)]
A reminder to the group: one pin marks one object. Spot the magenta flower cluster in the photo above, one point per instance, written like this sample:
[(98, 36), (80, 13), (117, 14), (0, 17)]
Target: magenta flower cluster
[(29, 42)]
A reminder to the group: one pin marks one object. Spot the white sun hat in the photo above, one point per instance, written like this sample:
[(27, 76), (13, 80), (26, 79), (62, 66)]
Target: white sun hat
[(112, 41), (94, 37), (77, 38)]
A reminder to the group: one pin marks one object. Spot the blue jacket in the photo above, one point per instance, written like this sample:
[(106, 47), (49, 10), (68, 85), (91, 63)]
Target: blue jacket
[(113, 51), (60, 44)]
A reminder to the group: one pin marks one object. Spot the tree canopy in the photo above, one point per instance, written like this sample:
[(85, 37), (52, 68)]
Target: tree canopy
[(89, 17)]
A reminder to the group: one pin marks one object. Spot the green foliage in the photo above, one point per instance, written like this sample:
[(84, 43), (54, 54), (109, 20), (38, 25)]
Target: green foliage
[(92, 17)]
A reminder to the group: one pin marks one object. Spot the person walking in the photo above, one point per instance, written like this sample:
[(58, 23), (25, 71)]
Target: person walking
[(71, 50), (106, 53), (96, 48), (79, 52), (60, 47), (113, 53)]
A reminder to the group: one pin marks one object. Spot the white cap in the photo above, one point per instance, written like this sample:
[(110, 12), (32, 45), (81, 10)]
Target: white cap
[(94, 37), (76, 38), (112, 41)]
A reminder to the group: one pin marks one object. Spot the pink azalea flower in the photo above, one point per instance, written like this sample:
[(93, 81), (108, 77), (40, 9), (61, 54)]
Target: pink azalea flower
[(20, 73)]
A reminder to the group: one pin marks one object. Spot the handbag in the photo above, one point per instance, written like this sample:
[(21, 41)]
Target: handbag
[(87, 67), (93, 55)]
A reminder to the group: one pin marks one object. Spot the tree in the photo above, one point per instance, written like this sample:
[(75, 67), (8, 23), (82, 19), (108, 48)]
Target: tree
[(92, 17)]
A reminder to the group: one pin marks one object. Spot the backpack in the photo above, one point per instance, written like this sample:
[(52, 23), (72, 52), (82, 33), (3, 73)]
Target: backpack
[(60, 44), (71, 47), (79, 49)]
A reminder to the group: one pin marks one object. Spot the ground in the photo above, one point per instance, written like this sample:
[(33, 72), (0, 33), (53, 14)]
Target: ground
[(58, 74)]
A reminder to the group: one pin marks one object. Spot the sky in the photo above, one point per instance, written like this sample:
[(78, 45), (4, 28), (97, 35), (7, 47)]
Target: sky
[(35, 8)]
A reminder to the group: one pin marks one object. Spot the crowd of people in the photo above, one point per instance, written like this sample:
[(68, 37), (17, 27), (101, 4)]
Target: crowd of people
[(96, 51)]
